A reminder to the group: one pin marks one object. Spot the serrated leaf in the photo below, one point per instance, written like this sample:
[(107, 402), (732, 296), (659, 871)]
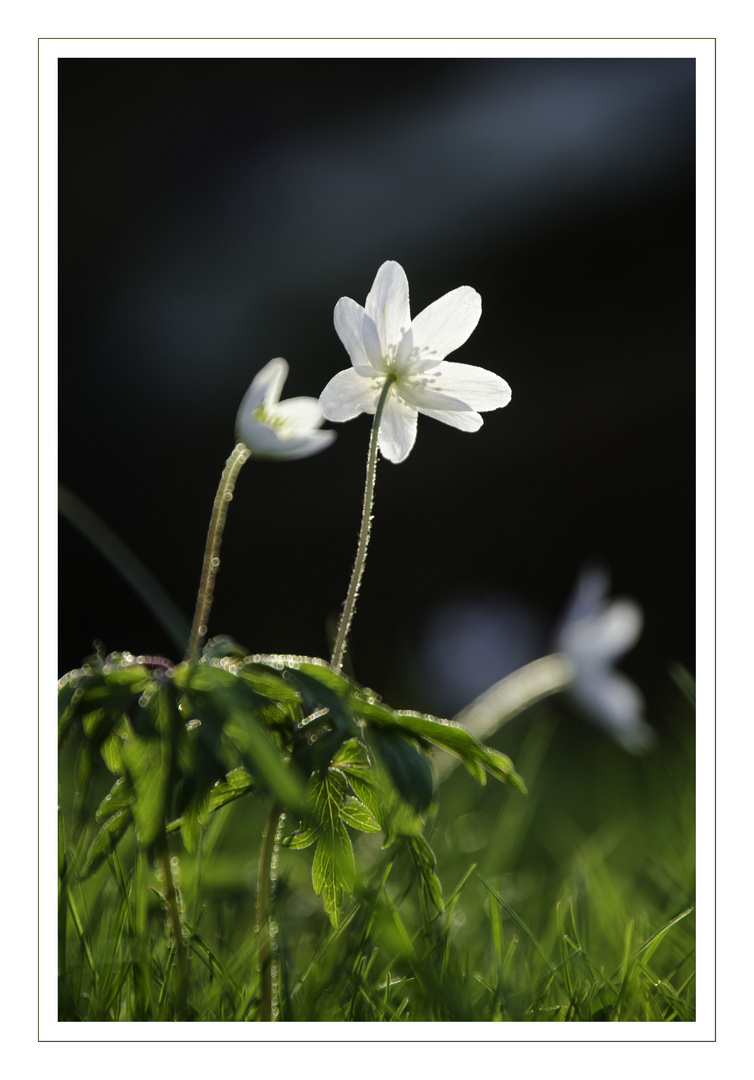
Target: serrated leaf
[(333, 870), (447, 735), (355, 813), (325, 796), (371, 785), (303, 838), (237, 783)]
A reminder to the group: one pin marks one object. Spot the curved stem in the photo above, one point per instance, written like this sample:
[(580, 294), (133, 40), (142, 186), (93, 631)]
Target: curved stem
[(211, 565), (339, 650), (264, 912), (507, 698)]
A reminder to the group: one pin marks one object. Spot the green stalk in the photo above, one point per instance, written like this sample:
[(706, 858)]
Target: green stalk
[(264, 913), (507, 698), (339, 650), (211, 564), (174, 918)]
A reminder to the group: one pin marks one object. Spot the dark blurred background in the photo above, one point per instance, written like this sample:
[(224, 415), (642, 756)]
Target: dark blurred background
[(212, 213)]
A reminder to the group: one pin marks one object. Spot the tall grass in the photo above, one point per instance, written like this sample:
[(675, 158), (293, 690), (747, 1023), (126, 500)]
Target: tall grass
[(572, 904)]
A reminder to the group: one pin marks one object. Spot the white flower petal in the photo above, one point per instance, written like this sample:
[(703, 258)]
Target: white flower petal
[(397, 429), (348, 318), (603, 635), (589, 594), (615, 702), (464, 420), (387, 305), (266, 387), (347, 394), (445, 325), (261, 439), (370, 336), (475, 386), (618, 628), (265, 441), (274, 429), (306, 445), (439, 406), (301, 412), (420, 393)]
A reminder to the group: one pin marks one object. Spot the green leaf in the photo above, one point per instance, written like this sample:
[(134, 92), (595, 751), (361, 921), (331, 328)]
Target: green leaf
[(193, 818), (220, 647), (303, 838), (356, 814), (447, 735), (272, 686), (149, 773), (325, 795), (148, 760), (316, 694), (425, 862), (236, 784), (352, 760), (372, 786), (229, 704), (407, 767), (120, 795), (333, 870), (106, 840)]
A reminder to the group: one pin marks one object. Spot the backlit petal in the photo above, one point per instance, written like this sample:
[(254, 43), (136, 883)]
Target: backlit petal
[(397, 429), (387, 304), (475, 386), (303, 413), (306, 445), (615, 702), (464, 420), (347, 394), (266, 387), (446, 324), (348, 318)]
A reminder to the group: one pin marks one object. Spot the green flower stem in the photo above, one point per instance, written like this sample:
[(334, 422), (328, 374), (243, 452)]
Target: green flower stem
[(339, 650), (264, 913), (174, 919), (507, 698), (211, 565)]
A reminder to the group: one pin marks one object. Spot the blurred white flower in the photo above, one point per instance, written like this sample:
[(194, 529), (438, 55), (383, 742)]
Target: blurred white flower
[(382, 341), (596, 632), (272, 428)]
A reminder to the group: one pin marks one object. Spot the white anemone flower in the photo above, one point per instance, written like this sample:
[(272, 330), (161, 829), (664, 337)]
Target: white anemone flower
[(271, 428), (382, 341), (594, 633)]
